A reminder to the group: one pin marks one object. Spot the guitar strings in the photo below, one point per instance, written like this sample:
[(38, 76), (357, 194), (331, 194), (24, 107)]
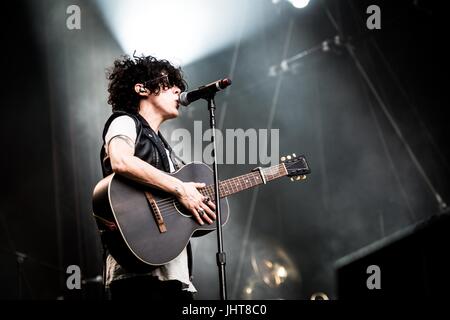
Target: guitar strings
[(206, 191), (167, 202), (270, 171)]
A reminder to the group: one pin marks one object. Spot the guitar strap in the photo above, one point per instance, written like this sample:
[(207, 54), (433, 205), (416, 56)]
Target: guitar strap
[(176, 163), (176, 160)]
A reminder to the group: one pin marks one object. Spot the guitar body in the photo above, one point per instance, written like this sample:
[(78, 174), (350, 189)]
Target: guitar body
[(144, 227), (136, 241)]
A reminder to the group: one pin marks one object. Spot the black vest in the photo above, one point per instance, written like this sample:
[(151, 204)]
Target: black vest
[(149, 147)]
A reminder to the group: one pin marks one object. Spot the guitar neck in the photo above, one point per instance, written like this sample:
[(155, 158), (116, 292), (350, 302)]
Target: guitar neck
[(246, 181)]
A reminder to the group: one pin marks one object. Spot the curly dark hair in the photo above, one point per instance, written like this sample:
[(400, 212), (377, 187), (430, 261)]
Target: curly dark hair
[(153, 73)]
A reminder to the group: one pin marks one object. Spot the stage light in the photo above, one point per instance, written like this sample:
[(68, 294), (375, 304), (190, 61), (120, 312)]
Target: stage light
[(273, 266), (177, 30), (281, 272), (299, 4), (273, 272)]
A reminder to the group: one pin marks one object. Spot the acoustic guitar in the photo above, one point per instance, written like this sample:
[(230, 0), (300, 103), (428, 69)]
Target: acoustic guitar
[(144, 227)]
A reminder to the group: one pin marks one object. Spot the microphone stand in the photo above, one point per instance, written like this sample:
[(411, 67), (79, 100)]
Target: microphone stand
[(220, 255), (20, 259)]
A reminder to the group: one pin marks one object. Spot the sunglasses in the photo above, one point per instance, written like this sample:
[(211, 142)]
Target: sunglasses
[(165, 81)]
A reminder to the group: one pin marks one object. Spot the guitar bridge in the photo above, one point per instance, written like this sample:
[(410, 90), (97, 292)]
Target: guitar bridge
[(156, 213)]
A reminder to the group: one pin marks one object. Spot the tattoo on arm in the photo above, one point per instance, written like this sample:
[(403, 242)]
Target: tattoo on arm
[(124, 138)]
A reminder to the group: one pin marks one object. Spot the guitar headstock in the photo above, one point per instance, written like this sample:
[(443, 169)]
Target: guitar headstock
[(296, 166)]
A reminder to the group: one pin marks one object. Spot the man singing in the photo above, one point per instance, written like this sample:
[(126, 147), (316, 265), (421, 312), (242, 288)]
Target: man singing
[(144, 92)]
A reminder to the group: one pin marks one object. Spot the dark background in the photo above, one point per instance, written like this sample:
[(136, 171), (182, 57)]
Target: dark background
[(365, 185)]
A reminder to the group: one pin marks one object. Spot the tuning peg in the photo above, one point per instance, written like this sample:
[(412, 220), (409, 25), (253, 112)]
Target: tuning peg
[(288, 157), (292, 179), (294, 155), (283, 159), (302, 177)]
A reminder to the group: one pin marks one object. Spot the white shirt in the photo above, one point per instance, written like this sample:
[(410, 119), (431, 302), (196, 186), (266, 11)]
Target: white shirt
[(177, 269)]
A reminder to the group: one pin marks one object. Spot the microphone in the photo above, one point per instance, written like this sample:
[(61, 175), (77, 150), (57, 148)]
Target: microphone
[(203, 92)]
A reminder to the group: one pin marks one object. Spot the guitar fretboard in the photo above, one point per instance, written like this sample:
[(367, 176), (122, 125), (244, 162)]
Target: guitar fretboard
[(246, 181)]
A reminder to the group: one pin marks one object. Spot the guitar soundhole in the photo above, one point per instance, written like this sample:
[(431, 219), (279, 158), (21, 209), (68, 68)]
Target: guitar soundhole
[(181, 209)]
